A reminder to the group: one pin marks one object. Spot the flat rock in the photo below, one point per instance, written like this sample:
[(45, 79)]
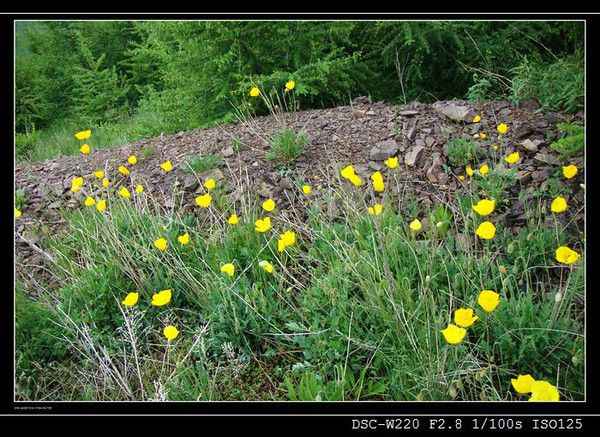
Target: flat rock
[(459, 113), (529, 146), (413, 155), (228, 152), (383, 150)]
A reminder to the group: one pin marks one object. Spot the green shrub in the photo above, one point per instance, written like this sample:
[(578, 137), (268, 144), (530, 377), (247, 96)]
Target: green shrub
[(462, 152), (200, 164), (572, 139)]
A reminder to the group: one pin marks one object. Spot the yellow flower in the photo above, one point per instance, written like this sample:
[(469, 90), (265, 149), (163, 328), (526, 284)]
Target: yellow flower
[(376, 209), (566, 256), (161, 244), (233, 220), (306, 189), (542, 391), (184, 239), (105, 183), (484, 169), (161, 298), (267, 266), (488, 300), (477, 119), (569, 171), (482, 136), (268, 205), (453, 334), (262, 225), (228, 269), (99, 174), (356, 180), (124, 192), (347, 172), (139, 189), (558, 205), (486, 230), (288, 238), (209, 184), (512, 158), (132, 160), (254, 92), (76, 184), (464, 317), (415, 225), (469, 170), (17, 213), (83, 135), (461, 177), (495, 147), (101, 205), (484, 207), (131, 299), (391, 162), (502, 128), (171, 332), (203, 200), (523, 384), (167, 166), (90, 201), (85, 149), (123, 170), (290, 85), (377, 179)]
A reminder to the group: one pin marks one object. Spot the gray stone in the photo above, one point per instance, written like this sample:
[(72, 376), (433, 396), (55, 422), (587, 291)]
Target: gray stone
[(529, 146), (383, 150), (413, 155), (545, 158), (459, 113), (227, 152)]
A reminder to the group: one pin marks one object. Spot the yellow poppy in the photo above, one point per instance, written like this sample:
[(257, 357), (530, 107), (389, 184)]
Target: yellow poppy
[(184, 239), (267, 266), (161, 244), (89, 201), (391, 162), (209, 184), (131, 299), (453, 334), (233, 220), (290, 85), (566, 256), (484, 169), (167, 166), (347, 172), (139, 189), (377, 179), (105, 183), (488, 300), (502, 128), (415, 225), (522, 384), (486, 230), (288, 238), (162, 298), (228, 269), (17, 213), (569, 171), (132, 160), (268, 205), (512, 158), (464, 317), (101, 205), (542, 391), (83, 135), (170, 332), (124, 192), (262, 225), (356, 180), (254, 92), (99, 174), (484, 207), (558, 205), (376, 209), (85, 149), (461, 177), (123, 170), (469, 170), (476, 119), (76, 184), (482, 136), (204, 200), (306, 189)]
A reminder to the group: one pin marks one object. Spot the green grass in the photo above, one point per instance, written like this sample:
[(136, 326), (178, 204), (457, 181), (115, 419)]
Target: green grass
[(353, 311), (201, 164), (461, 151), (287, 146)]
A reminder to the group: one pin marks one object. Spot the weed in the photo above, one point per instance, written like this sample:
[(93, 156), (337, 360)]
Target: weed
[(201, 164), (287, 146)]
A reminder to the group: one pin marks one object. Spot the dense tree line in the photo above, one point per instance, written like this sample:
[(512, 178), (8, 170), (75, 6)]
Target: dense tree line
[(182, 75)]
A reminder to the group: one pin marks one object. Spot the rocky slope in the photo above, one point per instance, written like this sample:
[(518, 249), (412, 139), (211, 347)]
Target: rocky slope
[(363, 134)]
